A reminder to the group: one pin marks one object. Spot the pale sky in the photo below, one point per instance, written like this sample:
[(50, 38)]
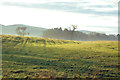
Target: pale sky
[(92, 15)]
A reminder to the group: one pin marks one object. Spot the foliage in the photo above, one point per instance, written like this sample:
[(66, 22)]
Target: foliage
[(68, 34)]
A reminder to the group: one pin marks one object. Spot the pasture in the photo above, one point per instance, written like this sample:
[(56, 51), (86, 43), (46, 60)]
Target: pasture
[(52, 58)]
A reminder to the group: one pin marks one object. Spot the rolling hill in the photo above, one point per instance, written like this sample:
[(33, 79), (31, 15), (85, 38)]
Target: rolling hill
[(32, 30)]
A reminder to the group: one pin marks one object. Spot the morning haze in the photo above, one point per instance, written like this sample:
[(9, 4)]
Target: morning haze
[(43, 39)]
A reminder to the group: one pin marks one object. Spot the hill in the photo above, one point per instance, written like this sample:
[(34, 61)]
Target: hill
[(85, 31), (81, 35), (34, 31)]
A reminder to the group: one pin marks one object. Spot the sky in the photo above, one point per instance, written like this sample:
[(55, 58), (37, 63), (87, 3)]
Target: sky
[(91, 15)]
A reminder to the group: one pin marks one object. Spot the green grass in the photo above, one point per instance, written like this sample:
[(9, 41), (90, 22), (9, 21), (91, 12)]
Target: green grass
[(52, 58)]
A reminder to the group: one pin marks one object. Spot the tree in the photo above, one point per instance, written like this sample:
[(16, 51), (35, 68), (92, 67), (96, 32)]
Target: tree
[(60, 28), (118, 35), (65, 29), (21, 31), (74, 27)]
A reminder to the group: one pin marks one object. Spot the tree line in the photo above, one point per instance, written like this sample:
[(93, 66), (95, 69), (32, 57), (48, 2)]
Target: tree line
[(72, 34)]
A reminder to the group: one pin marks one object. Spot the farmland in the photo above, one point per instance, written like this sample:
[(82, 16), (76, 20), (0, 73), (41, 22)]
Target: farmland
[(32, 57)]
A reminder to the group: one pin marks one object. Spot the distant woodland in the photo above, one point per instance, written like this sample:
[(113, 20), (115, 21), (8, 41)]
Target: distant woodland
[(66, 34), (70, 33)]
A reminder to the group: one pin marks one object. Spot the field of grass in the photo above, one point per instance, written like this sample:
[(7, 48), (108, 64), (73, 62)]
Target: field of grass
[(52, 58)]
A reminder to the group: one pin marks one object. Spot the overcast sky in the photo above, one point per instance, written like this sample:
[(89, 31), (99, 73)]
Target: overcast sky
[(93, 15)]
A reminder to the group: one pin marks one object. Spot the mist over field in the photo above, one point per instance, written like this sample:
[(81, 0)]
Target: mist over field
[(59, 39), (59, 33)]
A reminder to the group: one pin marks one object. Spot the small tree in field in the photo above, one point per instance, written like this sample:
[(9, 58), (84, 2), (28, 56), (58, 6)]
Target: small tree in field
[(21, 31)]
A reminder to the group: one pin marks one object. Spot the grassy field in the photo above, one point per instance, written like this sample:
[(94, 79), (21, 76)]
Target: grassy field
[(52, 58)]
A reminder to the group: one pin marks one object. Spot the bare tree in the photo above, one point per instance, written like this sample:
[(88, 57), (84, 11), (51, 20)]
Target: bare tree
[(21, 31), (74, 27)]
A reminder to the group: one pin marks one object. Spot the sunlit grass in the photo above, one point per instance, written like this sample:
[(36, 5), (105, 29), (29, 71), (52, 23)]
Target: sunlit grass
[(58, 58)]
